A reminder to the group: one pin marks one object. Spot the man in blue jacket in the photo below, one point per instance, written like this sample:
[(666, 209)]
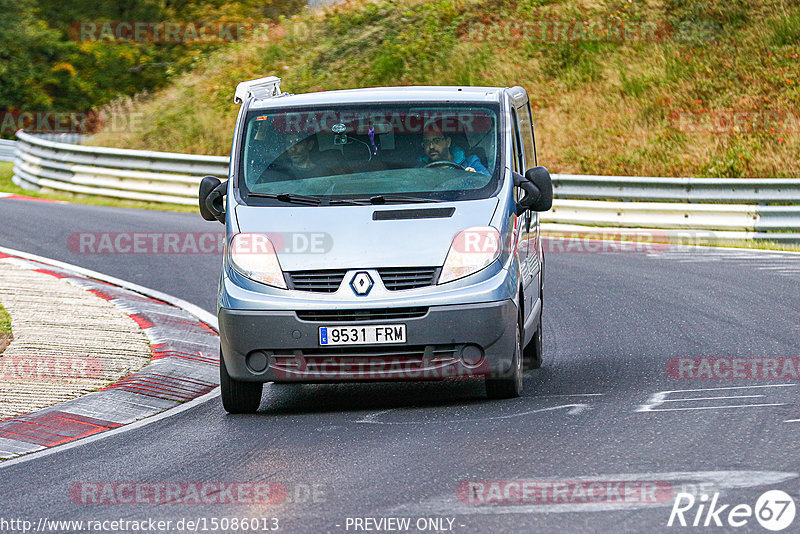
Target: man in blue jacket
[(438, 146)]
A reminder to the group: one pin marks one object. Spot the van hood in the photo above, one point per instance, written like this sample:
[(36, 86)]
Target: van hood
[(364, 237)]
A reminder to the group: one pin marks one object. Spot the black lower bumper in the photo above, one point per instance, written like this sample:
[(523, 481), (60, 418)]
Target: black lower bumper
[(441, 342)]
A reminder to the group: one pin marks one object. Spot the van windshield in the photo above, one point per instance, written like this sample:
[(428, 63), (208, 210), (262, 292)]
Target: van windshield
[(425, 152)]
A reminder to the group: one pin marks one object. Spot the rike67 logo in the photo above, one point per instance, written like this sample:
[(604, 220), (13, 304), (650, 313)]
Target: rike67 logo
[(774, 510)]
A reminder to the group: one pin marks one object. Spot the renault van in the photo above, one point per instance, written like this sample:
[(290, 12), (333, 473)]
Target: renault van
[(379, 234)]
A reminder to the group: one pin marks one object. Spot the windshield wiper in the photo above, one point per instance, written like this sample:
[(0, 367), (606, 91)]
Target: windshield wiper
[(289, 197), (315, 201), (389, 199)]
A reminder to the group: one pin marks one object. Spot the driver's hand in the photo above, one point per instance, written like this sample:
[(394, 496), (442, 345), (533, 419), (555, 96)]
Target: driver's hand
[(470, 169)]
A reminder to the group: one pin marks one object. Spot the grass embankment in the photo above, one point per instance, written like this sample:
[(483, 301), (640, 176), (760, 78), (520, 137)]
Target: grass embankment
[(5, 329), (611, 107), (8, 186)]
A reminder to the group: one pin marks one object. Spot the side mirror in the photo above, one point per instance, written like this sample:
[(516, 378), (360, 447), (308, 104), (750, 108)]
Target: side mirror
[(538, 189), (211, 199)]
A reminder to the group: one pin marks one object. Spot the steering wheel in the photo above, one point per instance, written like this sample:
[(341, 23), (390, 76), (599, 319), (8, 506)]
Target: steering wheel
[(451, 164)]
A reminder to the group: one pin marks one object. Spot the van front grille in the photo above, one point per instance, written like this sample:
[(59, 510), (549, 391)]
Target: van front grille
[(394, 279), (381, 314), (399, 278), (327, 281)]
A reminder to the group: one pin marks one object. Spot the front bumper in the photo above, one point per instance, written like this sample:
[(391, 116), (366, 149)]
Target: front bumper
[(443, 342)]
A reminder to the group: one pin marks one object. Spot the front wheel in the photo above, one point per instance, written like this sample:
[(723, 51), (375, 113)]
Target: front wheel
[(509, 386), (238, 396)]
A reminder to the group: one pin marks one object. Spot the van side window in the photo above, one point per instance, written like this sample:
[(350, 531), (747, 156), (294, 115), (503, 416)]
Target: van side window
[(526, 130), (519, 156)]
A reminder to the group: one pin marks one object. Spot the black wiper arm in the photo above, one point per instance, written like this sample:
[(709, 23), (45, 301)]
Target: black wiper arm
[(289, 197), (386, 199), (349, 201), (315, 201)]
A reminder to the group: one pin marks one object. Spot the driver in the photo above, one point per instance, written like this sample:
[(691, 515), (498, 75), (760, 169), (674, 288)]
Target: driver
[(438, 146)]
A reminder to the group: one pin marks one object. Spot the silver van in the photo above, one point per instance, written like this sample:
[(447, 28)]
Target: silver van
[(379, 234)]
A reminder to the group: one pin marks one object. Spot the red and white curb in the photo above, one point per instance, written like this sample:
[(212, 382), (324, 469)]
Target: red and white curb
[(184, 366), (14, 196)]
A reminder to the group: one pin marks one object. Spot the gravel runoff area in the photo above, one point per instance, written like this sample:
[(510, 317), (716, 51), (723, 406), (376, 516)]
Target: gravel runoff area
[(67, 341)]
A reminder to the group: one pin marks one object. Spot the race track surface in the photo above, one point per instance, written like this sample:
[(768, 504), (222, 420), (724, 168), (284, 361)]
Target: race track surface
[(603, 408)]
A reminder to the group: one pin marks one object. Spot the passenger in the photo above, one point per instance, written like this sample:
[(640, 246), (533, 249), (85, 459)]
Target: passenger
[(299, 155), (438, 146), (297, 161)]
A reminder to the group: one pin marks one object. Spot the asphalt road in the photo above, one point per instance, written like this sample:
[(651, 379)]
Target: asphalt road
[(602, 409)]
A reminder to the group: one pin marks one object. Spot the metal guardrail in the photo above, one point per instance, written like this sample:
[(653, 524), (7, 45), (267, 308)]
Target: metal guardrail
[(112, 172), (710, 209), (691, 190), (7, 150), (715, 209)]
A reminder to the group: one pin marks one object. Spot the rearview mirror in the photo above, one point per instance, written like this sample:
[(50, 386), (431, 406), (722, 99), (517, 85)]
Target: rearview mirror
[(211, 199), (538, 189)]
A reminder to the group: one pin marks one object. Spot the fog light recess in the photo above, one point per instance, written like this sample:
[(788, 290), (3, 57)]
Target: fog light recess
[(257, 361), (471, 355)]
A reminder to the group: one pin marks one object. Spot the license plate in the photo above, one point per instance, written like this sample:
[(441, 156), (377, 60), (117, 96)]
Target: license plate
[(362, 335)]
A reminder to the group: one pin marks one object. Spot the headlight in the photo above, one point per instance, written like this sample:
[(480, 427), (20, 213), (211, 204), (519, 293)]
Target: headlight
[(253, 256), (472, 249)]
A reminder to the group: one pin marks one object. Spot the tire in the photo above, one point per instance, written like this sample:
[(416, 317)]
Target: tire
[(238, 396), (532, 354), (508, 387)]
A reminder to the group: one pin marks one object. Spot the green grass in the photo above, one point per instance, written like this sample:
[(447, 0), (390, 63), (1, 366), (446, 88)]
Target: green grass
[(5, 328), (600, 107), (8, 186), (5, 322)]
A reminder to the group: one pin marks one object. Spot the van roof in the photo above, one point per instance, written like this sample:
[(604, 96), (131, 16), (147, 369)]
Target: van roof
[(461, 94)]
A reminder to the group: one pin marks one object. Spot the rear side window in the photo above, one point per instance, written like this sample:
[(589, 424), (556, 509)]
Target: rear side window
[(519, 156), (526, 131)]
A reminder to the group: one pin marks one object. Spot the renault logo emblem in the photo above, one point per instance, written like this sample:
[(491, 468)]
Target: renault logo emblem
[(361, 283)]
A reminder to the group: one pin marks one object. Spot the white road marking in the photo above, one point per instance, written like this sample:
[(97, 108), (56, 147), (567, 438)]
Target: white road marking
[(715, 398), (783, 263), (571, 395), (579, 408), (574, 409), (371, 417), (715, 407), (659, 398)]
